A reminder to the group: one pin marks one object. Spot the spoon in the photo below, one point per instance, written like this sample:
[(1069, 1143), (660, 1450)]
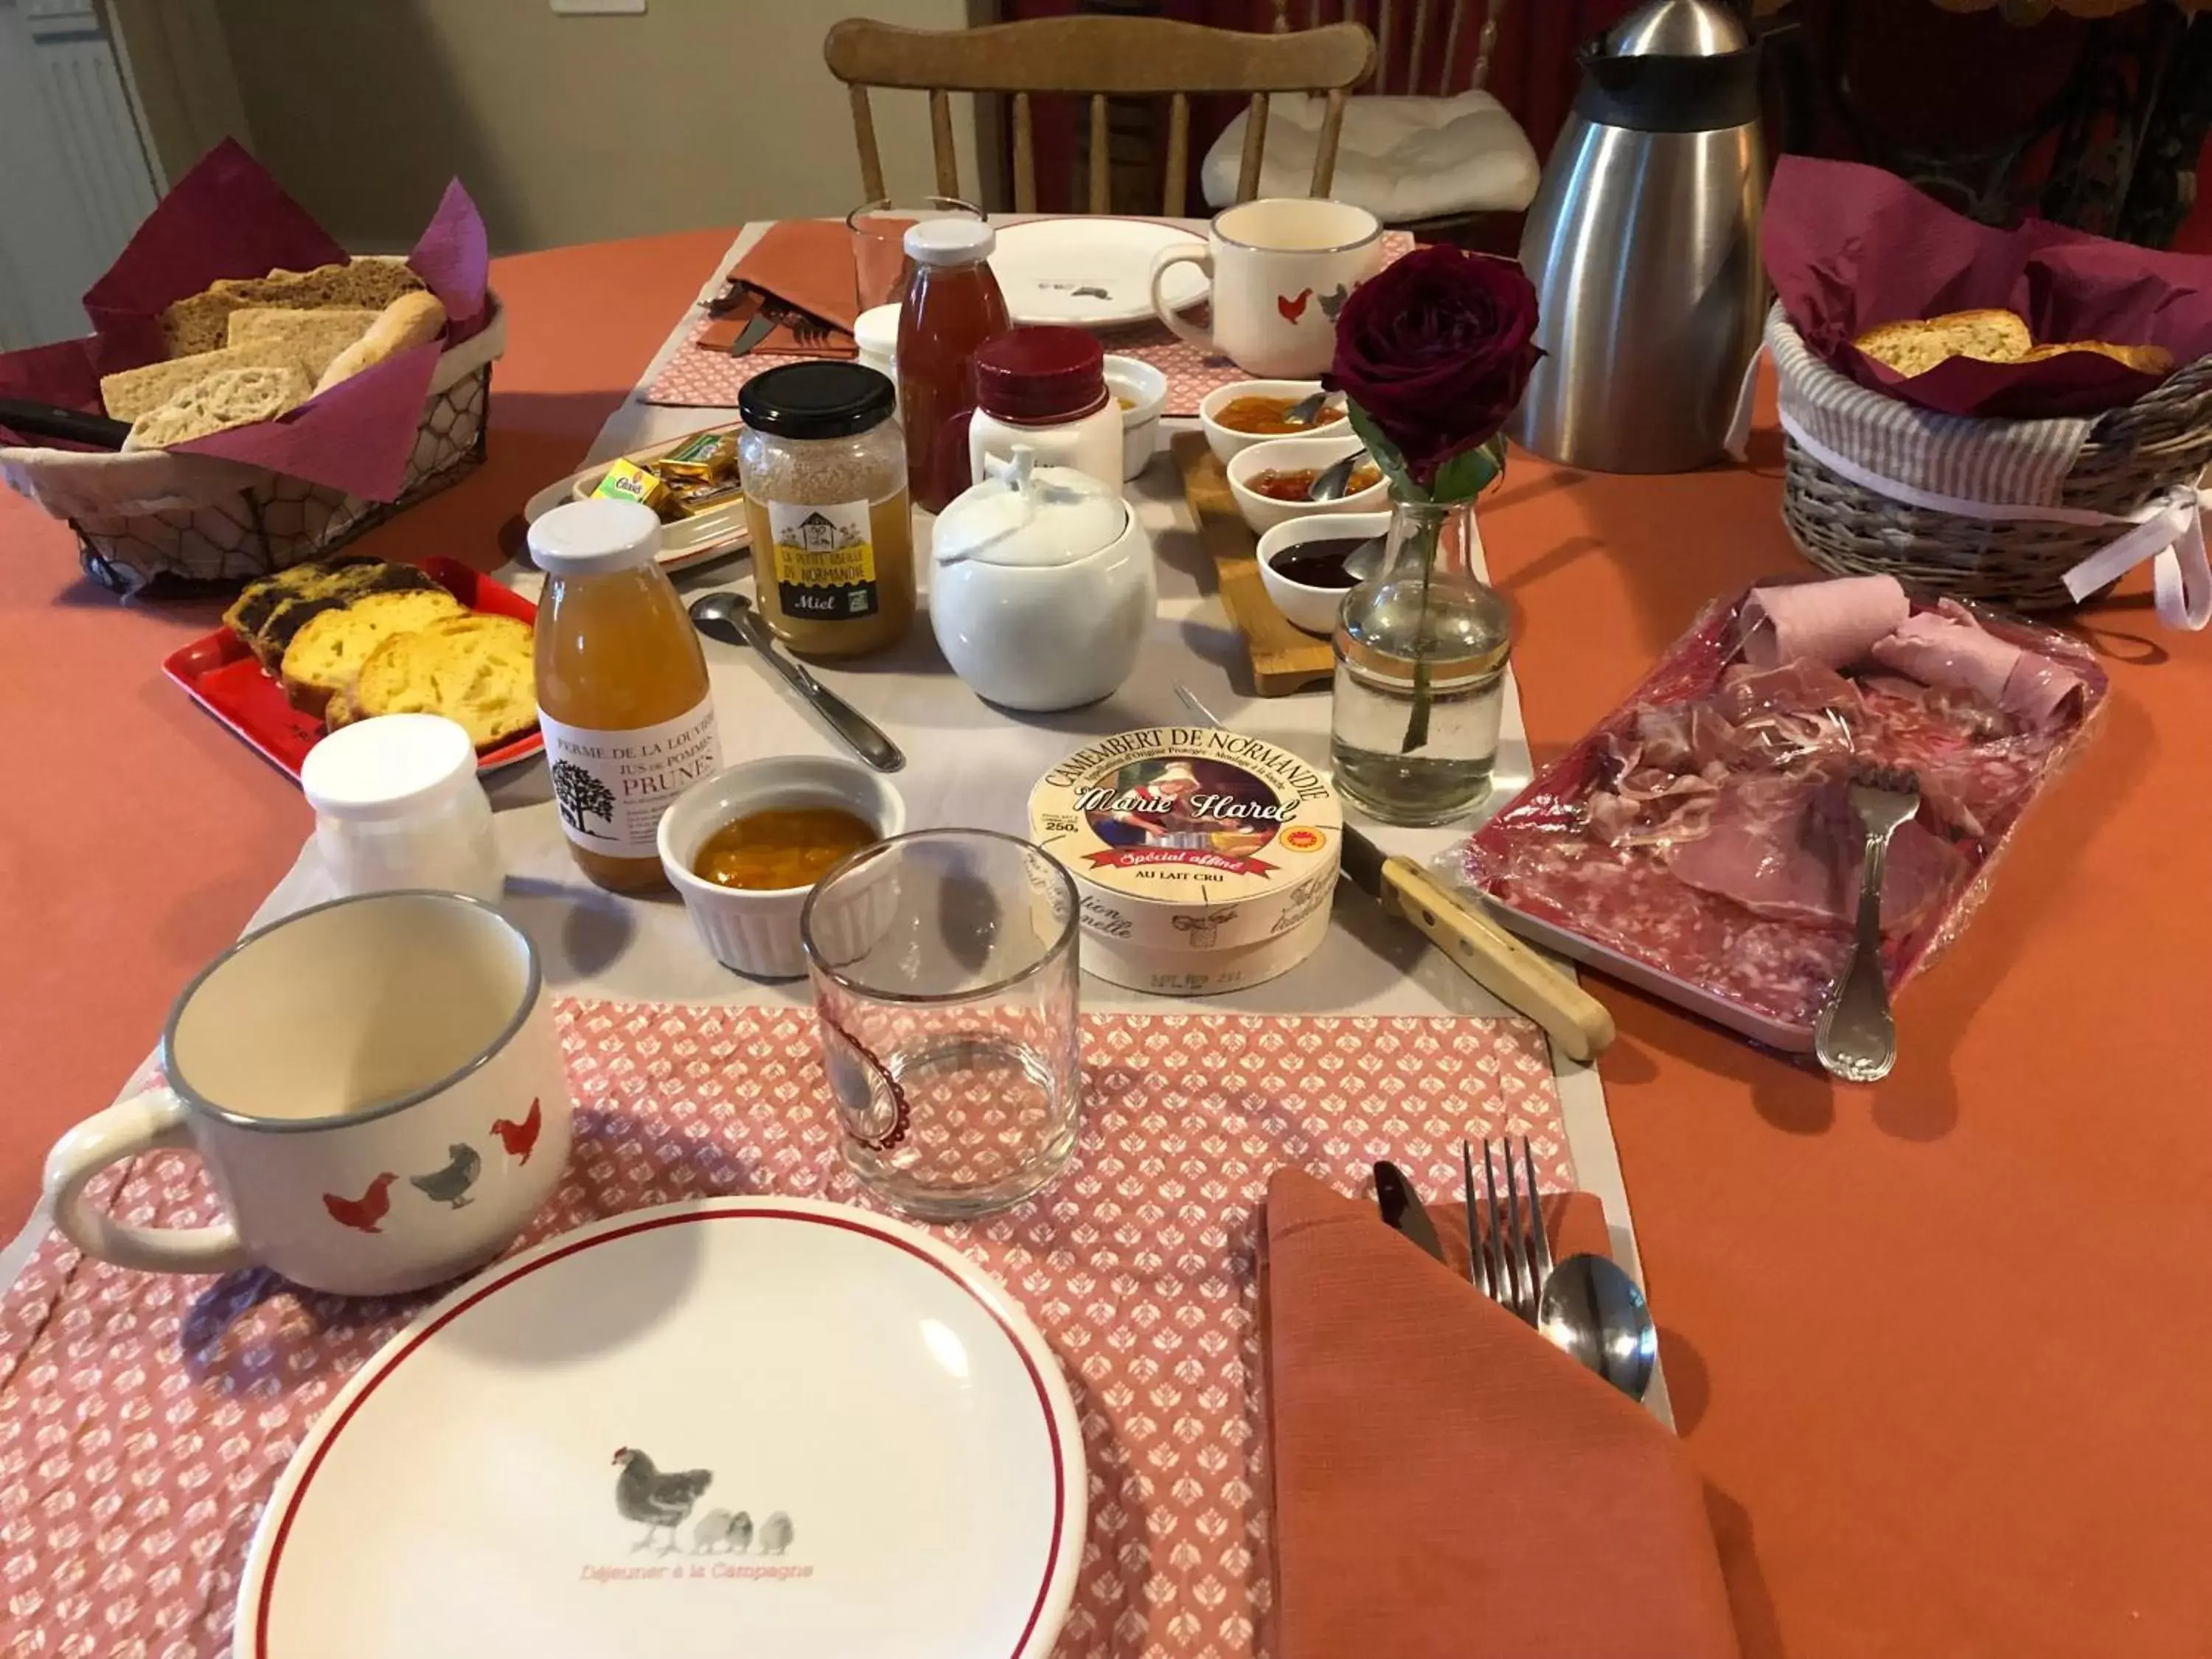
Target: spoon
[(1364, 562), (1306, 409), (1594, 1311), (1334, 483), (729, 618)]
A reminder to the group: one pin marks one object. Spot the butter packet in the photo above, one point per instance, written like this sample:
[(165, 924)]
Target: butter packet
[(626, 481), (689, 501), (703, 458)]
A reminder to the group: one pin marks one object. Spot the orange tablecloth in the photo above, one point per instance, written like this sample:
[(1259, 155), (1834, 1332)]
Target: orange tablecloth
[(1934, 1345)]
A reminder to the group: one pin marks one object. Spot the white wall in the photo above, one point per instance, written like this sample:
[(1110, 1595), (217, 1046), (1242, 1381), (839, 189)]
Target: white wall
[(566, 129)]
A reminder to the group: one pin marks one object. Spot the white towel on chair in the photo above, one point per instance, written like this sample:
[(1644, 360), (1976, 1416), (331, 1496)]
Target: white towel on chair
[(1402, 159)]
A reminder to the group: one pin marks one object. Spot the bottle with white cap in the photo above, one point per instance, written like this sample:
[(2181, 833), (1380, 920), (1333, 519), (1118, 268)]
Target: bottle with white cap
[(398, 805), (622, 696), (952, 306)]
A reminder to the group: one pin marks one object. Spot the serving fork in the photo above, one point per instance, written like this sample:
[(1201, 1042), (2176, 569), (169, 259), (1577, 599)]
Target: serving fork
[(1856, 1037)]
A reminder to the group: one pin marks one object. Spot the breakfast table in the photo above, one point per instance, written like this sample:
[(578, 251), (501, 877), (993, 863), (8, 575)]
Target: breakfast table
[(1915, 1335)]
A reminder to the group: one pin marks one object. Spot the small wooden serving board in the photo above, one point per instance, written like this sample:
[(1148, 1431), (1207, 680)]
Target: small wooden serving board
[(1285, 658)]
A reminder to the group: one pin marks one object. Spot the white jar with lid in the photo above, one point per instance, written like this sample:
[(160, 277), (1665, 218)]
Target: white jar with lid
[(398, 805), (1042, 590), (1045, 387)]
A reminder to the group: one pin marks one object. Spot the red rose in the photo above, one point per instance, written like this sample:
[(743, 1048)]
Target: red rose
[(1435, 350)]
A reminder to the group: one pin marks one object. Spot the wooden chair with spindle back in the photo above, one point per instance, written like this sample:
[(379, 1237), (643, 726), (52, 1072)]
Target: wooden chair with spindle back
[(1104, 58), (1421, 130)]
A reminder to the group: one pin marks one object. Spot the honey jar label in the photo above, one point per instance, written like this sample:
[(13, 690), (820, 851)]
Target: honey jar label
[(610, 788), (825, 561)]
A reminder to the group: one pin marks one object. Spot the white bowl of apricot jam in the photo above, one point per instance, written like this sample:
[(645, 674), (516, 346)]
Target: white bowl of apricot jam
[(1246, 412), (744, 847)]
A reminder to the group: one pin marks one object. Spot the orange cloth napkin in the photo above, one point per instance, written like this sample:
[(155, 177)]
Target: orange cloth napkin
[(1446, 1482), (808, 262)]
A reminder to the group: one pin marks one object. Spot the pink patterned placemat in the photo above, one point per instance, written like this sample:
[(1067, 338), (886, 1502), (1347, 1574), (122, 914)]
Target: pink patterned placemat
[(696, 377), (144, 1418)]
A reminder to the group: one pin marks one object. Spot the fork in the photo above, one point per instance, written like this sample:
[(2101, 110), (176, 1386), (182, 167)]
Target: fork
[(1856, 1037), (1509, 1259), (806, 329)]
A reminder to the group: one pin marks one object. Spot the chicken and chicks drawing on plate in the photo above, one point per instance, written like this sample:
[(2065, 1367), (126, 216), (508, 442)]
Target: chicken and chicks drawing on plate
[(663, 1502)]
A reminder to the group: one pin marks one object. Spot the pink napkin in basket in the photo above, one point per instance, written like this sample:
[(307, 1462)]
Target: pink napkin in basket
[(1849, 246)]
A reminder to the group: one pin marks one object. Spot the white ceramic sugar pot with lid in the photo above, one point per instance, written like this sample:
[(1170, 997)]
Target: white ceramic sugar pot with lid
[(1043, 586)]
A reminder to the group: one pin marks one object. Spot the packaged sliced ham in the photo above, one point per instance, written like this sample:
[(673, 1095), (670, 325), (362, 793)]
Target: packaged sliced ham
[(1700, 842)]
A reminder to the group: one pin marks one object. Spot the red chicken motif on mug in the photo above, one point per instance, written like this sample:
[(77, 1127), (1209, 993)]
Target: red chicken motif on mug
[(365, 1213), (521, 1140), (1293, 309)]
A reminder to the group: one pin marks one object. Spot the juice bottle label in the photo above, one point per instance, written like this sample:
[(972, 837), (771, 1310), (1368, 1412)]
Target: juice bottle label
[(610, 788), (825, 561)]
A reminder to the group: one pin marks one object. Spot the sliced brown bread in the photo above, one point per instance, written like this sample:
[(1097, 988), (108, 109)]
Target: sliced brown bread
[(1914, 348), (338, 711), (2147, 359), (269, 622), (325, 654), (217, 402), (202, 322), (475, 669), (314, 337), (412, 319), (137, 391)]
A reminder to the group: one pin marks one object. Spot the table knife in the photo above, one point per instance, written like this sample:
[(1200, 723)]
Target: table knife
[(1574, 1019), (1482, 950), (1402, 1211)]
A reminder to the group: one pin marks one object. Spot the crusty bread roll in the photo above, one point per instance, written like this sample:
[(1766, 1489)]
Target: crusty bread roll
[(2148, 359), (314, 337), (477, 670), (412, 319), (217, 402), (1914, 348)]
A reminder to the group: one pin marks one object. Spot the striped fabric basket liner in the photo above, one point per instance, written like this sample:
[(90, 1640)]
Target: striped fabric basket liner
[(2033, 514)]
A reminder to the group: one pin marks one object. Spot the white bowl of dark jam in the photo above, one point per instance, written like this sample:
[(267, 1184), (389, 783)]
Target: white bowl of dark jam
[(1302, 565)]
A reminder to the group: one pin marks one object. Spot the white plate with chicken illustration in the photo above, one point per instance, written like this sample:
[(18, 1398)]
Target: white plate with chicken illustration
[(767, 1426)]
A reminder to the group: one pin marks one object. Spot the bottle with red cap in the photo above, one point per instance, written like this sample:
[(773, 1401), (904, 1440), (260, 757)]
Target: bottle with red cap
[(1046, 388), (951, 307)]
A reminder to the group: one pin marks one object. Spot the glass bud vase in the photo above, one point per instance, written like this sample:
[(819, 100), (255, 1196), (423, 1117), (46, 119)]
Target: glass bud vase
[(1420, 673)]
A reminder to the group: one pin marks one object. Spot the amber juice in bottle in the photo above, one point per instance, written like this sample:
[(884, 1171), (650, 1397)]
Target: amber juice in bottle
[(623, 697)]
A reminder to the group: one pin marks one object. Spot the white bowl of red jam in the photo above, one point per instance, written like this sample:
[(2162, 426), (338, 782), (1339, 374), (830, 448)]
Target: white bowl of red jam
[(1270, 480), (746, 847)]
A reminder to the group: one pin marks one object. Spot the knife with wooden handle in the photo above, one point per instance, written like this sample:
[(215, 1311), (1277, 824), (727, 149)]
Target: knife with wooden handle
[(1481, 950)]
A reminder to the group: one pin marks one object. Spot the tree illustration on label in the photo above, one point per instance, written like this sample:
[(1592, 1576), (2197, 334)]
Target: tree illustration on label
[(579, 795)]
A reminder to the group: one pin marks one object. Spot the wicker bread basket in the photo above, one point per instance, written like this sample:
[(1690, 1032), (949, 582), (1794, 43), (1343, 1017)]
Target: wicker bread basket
[(146, 517), (2162, 439)]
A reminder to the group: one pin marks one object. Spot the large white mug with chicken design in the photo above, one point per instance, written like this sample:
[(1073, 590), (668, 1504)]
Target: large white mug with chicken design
[(1282, 268), (375, 1086)]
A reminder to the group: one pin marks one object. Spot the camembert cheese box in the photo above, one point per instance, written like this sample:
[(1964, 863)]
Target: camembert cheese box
[(1203, 860)]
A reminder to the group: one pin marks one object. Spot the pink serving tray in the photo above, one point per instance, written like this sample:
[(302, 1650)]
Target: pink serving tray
[(222, 677), (1691, 668)]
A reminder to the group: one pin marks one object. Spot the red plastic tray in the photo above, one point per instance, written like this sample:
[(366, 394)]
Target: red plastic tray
[(222, 677)]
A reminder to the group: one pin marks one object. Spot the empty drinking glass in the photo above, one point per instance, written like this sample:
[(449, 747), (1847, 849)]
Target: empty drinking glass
[(880, 268), (944, 968)]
